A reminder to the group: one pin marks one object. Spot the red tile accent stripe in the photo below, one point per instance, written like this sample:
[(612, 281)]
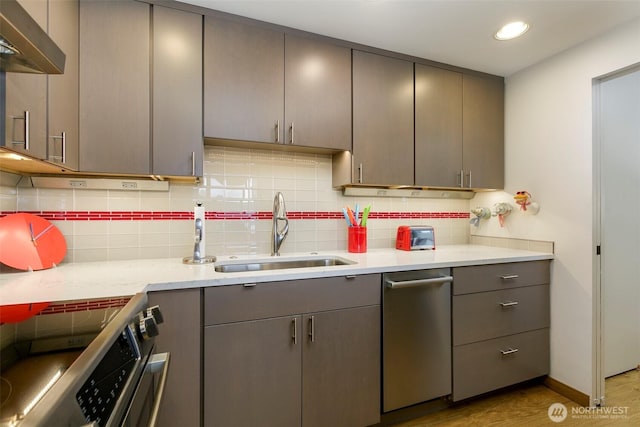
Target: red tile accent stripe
[(214, 216), (75, 306)]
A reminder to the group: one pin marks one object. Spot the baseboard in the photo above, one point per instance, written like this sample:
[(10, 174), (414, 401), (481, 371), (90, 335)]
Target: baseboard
[(569, 392)]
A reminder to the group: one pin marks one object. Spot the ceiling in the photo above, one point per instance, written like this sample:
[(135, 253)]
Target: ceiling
[(457, 32)]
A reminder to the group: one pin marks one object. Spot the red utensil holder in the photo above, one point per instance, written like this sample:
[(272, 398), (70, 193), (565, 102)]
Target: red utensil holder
[(357, 241)]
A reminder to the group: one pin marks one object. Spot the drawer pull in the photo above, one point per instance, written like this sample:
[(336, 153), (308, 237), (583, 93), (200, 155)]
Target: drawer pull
[(392, 284), (509, 276), (249, 285), (508, 304), (312, 331), (508, 352), (294, 325)]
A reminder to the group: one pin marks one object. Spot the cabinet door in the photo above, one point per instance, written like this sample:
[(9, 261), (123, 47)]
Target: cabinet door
[(62, 109), (26, 100), (341, 368), (252, 373), (114, 87), (483, 131), (382, 120), (438, 146), (317, 94), (244, 82), (180, 336), (177, 93)]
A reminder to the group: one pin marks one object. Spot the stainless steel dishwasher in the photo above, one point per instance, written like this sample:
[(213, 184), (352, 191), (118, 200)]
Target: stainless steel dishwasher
[(416, 337)]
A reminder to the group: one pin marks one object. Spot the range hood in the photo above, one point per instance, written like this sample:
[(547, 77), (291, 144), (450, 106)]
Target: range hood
[(24, 46)]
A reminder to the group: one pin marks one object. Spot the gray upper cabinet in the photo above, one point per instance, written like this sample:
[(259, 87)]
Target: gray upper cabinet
[(243, 81), (438, 139), (114, 87), (62, 110), (382, 120), (483, 131), (264, 86), (26, 100), (177, 93), (459, 129), (317, 94)]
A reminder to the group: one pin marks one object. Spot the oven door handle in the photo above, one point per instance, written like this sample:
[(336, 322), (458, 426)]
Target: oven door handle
[(158, 362), (392, 284)]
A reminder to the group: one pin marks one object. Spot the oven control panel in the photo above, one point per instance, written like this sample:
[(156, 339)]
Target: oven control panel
[(99, 394)]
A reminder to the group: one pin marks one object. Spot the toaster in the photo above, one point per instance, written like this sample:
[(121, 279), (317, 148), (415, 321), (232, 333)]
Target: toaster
[(415, 237)]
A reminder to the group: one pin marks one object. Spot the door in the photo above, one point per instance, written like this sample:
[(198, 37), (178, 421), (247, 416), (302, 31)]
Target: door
[(438, 148), (382, 120), (483, 131), (243, 82), (619, 127), (317, 94), (252, 373), (26, 100), (341, 368), (62, 109), (115, 87), (177, 93)]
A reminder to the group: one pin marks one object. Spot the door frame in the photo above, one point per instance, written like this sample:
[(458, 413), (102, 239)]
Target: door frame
[(598, 375)]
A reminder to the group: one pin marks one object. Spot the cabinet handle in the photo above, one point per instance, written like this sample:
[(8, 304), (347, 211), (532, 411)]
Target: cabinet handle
[(509, 276), (26, 131), (312, 337), (294, 325), (360, 173), (469, 181), (291, 133), (508, 304), (248, 285), (277, 131), (193, 163), (350, 277), (461, 178), (508, 352), (63, 156)]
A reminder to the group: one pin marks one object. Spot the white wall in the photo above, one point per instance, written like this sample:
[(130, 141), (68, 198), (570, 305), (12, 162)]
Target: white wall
[(548, 152)]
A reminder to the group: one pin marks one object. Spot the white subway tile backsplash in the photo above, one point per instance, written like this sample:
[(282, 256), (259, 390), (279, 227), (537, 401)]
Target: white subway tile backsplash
[(235, 180)]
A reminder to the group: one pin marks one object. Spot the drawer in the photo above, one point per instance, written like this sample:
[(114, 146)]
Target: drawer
[(235, 303), (486, 315), (481, 367), (494, 277)]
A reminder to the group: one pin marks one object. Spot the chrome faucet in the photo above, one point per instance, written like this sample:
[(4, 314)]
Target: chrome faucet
[(197, 249), (279, 214)]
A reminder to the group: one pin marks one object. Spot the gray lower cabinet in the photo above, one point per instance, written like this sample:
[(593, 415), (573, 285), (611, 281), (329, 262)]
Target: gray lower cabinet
[(500, 326), (382, 121), (295, 353), (180, 335), (252, 373)]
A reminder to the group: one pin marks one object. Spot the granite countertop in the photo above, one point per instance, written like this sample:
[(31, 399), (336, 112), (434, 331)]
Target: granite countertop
[(97, 280)]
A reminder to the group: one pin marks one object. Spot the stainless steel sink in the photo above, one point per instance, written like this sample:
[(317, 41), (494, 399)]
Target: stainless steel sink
[(280, 264)]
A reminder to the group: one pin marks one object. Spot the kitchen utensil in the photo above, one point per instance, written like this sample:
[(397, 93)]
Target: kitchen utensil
[(29, 242)]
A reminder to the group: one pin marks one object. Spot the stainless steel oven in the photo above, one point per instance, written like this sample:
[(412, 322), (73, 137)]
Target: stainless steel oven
[(118, 380)]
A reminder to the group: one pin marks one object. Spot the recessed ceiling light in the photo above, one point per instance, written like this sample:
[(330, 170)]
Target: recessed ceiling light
[(511, 30)]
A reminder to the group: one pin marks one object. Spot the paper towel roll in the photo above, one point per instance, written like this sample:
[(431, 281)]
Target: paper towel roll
[(198, 212)]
